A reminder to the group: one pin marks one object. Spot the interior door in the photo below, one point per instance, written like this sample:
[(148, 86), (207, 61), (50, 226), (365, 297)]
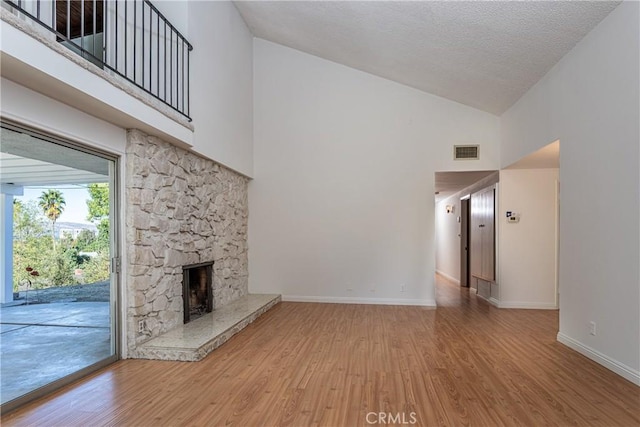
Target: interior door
[(475, 234), (482, 234), (464, 242), (488, 236)]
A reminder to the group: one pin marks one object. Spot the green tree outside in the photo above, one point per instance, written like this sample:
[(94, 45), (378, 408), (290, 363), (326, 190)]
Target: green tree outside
[(98, 202), (98, 205), (36, 248), (52, 204), (31, 244)]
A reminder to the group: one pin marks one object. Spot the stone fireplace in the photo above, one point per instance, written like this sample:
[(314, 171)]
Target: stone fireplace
[(197, 290), (181, 209)]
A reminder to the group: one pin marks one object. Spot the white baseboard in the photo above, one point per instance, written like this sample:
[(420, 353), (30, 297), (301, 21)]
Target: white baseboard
[(446, 276), (482, 297), (494, 302), (527, 305), (355, 300), (604, 360)]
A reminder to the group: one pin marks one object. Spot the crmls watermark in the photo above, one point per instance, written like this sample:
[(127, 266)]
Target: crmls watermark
[(391, 418)]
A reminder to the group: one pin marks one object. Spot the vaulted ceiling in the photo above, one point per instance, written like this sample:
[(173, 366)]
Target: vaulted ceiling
[(479, 53)]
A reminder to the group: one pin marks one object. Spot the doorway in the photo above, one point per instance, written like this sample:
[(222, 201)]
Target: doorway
[(59, 263), (464, 241), (452, 221)]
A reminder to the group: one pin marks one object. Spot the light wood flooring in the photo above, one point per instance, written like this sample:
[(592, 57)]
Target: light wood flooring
[(304, 364)]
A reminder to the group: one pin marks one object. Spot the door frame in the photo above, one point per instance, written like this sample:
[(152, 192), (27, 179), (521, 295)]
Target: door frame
[(115, 271), (464, 240)]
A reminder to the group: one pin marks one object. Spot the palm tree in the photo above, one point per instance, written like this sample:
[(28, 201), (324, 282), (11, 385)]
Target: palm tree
[(52, 204)]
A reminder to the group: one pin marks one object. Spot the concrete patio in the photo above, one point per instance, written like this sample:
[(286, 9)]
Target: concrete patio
[(40, 343)]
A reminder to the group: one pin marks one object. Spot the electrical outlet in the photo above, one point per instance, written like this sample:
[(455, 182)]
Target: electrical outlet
[(141, 325), (592, 328), (402, 288), (349, 289)]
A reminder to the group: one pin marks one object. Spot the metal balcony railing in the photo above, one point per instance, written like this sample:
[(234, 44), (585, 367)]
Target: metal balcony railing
[(131, 38)]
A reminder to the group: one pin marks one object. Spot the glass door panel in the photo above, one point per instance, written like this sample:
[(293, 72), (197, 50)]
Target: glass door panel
[(58, 301)]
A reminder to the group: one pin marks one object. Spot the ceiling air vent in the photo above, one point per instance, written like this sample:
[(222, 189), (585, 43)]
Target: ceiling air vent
[(466, 152)]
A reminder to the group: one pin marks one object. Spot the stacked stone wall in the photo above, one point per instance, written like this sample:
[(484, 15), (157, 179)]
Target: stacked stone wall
[(180, 209)]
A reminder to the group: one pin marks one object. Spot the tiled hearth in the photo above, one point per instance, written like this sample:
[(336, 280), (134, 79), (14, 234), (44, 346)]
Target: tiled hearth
[(196, 339)]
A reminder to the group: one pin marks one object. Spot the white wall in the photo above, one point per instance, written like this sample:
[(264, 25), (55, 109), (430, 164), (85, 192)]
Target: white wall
[(590, 101), (448, 238), (222, 84), (527, 249), (344, 168), (177, 12)]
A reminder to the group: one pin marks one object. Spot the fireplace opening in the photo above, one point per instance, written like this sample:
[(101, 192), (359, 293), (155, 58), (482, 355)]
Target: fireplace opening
[(197, 290)]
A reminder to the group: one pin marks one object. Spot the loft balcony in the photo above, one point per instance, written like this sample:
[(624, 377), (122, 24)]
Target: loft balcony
[(127, 38)]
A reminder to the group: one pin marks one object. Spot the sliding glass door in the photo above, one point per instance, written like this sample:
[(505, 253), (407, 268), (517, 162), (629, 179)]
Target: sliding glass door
[(58, 302)]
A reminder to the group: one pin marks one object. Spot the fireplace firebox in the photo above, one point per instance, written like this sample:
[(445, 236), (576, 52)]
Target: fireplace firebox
[(197, 290)]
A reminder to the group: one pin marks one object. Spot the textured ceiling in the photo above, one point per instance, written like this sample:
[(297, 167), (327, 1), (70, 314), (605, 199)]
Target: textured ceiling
[(482, 54), (449, 183)]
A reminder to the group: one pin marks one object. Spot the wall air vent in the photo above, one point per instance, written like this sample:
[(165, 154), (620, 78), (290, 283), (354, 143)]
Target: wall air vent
[(466, 152)]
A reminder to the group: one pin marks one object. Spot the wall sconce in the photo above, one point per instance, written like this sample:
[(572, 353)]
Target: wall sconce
[(450, 208)]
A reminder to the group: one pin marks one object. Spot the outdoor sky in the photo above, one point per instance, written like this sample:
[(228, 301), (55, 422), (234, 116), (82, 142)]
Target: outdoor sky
[(75, 197)]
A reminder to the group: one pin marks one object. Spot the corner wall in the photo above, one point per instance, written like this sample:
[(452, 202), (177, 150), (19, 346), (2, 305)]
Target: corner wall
[(342, 205), (221, 83), (590, 101), (448, 238), (527, 249)]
